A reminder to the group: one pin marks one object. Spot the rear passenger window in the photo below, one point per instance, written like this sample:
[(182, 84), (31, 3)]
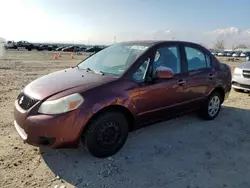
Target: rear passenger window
[(196, 59)]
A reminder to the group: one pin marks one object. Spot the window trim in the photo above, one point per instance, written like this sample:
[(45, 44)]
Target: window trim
[(207, 56), (145, 73)]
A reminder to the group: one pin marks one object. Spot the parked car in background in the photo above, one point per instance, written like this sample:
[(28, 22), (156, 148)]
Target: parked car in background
[(94, 49), (82, 49), (243, 54), (25, 45), (247, 56), (229, 54), (45, 47), (221, 53), (54, 47), (236, 54), (10, 45), (241, 77), (214, 52), (116, 91), (70, 49), (60, 48)]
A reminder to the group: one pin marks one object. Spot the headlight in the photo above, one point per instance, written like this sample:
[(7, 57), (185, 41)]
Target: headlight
[(64, 104), (238, 71)]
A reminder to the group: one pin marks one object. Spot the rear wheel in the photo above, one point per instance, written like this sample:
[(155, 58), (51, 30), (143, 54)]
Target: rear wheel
[(106, 134), (211, 107)]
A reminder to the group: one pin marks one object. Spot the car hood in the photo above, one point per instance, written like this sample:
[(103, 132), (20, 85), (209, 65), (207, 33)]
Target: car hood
[(59, 81), (245, 65)]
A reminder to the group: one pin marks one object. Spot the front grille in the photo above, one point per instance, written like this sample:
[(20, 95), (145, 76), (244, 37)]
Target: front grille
[(246, 73), (26, 102)]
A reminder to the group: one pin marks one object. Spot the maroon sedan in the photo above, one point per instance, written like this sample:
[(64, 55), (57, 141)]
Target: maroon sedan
[(116, 91)]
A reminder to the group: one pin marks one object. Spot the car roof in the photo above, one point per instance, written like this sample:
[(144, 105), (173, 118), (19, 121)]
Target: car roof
[(153, 42)]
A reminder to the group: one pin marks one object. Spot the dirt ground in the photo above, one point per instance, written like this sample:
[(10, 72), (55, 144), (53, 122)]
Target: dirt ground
[(186, 152)]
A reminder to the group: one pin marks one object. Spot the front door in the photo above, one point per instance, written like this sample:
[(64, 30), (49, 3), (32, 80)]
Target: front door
[(161, 98)]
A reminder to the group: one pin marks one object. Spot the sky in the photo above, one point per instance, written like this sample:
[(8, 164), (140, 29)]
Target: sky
[(103, 21)]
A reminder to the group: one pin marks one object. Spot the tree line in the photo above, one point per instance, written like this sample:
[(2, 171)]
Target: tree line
[(220, 45)]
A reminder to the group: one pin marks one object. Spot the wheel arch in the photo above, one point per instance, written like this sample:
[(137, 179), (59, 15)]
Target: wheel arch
[(220, 90), (114, 108)]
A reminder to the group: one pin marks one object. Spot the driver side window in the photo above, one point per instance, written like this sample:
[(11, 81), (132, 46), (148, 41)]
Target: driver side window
[(168, 57)]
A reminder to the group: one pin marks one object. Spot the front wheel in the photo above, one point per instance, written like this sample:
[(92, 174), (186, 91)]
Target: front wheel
[(211, 107), (106, 134)]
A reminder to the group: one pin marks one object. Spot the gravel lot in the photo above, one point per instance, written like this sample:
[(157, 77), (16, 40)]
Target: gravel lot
[(186, 152)]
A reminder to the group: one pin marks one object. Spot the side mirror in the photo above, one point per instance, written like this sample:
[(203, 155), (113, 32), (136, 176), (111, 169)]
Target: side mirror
[(164, 73)]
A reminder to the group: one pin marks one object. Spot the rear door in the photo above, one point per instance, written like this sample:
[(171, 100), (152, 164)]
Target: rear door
[(201, 74)]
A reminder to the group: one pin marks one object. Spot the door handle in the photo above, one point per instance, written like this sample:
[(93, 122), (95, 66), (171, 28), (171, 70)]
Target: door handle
[(181, 82), (211, 75)]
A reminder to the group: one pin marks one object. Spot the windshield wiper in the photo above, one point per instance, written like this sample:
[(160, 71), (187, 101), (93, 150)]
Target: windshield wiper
[(95, 71), (99, 72), (87, 69)]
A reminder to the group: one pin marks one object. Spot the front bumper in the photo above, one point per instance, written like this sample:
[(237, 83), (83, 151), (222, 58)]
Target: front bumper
[(239, 82), (54, 131)]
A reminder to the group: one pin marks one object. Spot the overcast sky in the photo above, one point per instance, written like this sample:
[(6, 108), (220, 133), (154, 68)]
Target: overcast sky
[(98, 21)]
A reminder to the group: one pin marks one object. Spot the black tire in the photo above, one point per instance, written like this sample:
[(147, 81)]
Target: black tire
[(94, 137), (205, 113)]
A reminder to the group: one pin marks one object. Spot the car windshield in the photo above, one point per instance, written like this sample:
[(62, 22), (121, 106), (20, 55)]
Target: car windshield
[(115, 59)]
